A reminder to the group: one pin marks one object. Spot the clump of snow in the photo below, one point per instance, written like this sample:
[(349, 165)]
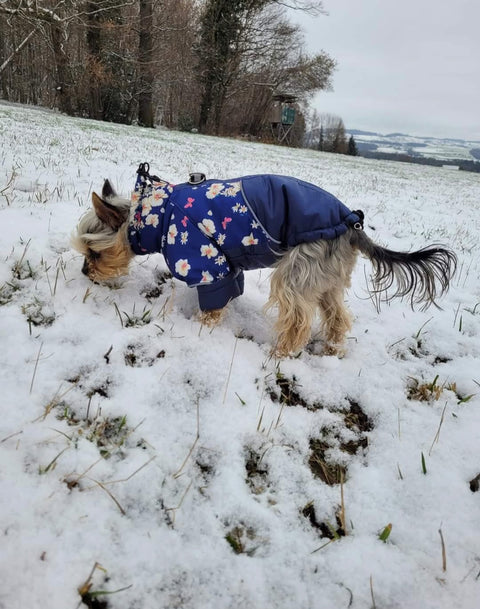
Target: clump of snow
[(175, 466)]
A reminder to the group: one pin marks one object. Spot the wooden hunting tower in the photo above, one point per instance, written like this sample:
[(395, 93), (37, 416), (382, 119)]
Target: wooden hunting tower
[(282, 116)]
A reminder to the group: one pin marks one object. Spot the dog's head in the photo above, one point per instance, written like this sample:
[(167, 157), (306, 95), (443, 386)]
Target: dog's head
[(101, 236)]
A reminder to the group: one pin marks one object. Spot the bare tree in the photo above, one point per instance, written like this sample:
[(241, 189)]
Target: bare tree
[(146, 76), (177, 62), (249, 54), (327, 133)]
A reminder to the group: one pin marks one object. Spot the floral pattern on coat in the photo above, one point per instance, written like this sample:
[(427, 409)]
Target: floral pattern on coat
[(212, 215)]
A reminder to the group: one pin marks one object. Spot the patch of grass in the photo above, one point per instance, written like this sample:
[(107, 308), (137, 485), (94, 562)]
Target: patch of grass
[(431, 392), (356, 419), (23, 270), (286, 392), (326, 529), (151, 292), (257, 471), (206, 461), (93, 598), (134, 321), (424, 392), (38, 313), (108, 433), (136, 357), (243, 539), (321, 466), (7, 292), (101, 389)]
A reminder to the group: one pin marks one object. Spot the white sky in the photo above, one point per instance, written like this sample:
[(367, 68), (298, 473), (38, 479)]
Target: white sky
[(410, 66)]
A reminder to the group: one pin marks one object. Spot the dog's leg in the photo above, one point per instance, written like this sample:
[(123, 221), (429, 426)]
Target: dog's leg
[(306, 277), (336, 321), (293, 326), (293, 293)]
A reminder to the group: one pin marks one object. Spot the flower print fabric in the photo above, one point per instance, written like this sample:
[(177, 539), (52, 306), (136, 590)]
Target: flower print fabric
[(209, 233), (215, 232), (200, 230)]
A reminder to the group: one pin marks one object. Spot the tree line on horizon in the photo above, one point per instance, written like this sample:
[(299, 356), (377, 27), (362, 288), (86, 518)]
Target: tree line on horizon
[(207, 65)]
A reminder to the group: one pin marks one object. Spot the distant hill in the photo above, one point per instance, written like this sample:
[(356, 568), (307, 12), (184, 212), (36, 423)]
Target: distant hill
[(439, 152), (401, 146)]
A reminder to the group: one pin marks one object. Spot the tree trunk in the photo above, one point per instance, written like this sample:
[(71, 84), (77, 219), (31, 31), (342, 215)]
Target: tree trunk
[(146, 113), (62, 65), (94, 61)]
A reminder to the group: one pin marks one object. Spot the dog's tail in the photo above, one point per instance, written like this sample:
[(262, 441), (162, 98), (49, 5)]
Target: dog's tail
[(423, 275)]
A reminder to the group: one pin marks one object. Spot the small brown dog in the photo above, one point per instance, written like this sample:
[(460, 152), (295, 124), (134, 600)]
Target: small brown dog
[(210, 231)]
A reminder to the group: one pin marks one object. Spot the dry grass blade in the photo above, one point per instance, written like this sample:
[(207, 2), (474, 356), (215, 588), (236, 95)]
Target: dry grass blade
[(36, 366), (175, 509), (323, 546), (55, 401), (12, 435), (192, 448), (112, 497), (444, 552), (53, 462), (374, 606), (86, 295), (230, 370), (84, 589), (18, 265), (343, 522), (437, 435), (72, 481), (139, 469)]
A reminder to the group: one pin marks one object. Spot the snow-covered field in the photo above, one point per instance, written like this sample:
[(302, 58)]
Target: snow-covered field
[(147, 463), (427, 147)]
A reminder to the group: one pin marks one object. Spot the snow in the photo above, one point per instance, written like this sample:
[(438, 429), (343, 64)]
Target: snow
[(135, 440), (426, 147)]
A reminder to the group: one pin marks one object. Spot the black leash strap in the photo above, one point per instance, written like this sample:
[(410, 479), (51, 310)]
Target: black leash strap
[(144, 171)]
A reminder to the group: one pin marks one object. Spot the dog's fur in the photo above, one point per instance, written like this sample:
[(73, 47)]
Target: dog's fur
[(307, 277)]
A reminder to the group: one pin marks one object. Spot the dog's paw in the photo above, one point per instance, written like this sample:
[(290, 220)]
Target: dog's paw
[(211, 318), (335, 350)]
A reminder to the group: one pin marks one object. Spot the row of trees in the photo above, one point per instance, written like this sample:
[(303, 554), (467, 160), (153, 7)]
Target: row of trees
[(328, 134), (207, 64)]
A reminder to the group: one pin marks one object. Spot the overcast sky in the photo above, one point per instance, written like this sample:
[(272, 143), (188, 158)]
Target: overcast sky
[(410, 66)]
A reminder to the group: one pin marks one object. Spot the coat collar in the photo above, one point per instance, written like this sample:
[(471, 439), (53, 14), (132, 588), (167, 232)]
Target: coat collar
[(147, 217)]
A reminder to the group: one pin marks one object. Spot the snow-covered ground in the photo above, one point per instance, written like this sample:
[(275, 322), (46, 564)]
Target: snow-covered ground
[(175, 467)]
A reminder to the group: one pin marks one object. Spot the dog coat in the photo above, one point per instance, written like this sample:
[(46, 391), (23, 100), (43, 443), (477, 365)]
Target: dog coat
[(211, 232)]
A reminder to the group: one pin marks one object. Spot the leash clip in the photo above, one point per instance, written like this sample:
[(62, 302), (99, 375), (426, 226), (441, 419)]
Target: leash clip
[(196, 178), (361, 215)]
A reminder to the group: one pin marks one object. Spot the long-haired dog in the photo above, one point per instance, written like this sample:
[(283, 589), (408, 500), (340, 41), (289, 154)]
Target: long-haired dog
[(209, 231)]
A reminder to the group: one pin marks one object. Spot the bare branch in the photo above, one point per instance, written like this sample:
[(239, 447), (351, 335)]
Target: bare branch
[(17, 50)]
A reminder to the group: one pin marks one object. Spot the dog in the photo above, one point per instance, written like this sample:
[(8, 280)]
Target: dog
[(210, 231)]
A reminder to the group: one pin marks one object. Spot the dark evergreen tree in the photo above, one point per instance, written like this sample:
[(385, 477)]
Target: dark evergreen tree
[(222, 25), (352, 147)]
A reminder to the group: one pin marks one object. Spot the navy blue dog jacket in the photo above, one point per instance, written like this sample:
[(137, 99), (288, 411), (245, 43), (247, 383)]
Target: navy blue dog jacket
[(209, 233)]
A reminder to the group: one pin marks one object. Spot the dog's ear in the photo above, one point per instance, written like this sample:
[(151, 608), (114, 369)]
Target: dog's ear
[(110, 215), (108, 190)]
